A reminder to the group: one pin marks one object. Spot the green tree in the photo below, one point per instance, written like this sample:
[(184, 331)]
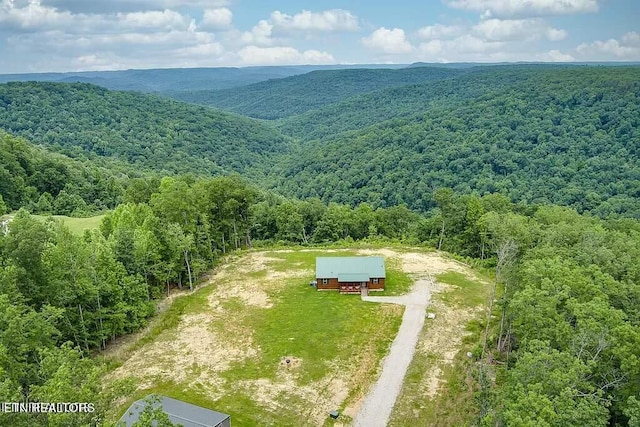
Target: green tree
[(45, 203), (290, 223), (152, 415), (69, 377), (633, 411), (24, 246), (445, 199)]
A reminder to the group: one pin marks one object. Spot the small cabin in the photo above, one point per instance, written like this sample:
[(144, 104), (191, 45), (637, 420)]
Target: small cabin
[(350, 274), (179, 413)]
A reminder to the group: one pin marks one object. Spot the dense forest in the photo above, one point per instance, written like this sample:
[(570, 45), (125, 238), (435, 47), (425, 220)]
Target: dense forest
[(562, 136), (474, 164), (279, 98), (147, 132), (539, 134), (48, 183)]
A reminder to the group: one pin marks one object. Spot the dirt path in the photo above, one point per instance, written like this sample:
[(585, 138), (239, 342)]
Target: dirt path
[(379, 403)]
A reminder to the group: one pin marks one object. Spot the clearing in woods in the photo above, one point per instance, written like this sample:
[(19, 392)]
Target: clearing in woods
[(226, 345), (76, 225)]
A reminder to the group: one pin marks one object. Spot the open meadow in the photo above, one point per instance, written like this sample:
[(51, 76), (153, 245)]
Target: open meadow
[(76, 225)]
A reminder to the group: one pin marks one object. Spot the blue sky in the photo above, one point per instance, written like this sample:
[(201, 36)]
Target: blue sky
[(74, 35)]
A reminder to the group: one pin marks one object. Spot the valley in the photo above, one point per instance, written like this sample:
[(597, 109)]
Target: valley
[(163, 236)]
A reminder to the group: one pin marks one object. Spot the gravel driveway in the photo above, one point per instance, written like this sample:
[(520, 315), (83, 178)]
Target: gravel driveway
[(379, 403)]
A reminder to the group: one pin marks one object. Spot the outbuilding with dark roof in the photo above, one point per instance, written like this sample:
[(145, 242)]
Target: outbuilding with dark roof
[(179, 412)]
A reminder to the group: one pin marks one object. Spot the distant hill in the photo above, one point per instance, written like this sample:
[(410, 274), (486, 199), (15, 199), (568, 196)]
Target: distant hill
[(161, 80), (376, 106), (176, 80), (147, 131), (279, 98), (565, 135)]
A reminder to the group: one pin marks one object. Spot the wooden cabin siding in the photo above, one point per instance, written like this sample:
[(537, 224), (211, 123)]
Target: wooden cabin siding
[(332, 283), (379, 286)]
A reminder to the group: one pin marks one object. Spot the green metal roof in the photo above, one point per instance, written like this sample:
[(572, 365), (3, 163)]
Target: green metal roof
[(351, 268), (353, 277)]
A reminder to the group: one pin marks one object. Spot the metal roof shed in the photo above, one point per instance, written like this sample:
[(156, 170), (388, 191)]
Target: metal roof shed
[(179, 412)]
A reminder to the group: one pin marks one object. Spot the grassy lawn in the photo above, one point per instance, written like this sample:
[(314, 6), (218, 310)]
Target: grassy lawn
[(76, 225), (329, 336), (465, 293)]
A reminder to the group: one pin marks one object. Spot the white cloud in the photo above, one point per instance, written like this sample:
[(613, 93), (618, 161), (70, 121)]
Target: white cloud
[(99, 61), (176, 3), (432, 48), (554, 34), (470, 44), (556, 56), (388, 41), (260, 34), (491, 8), (466, 47), (217, 18), (440, 31), (628, 49), (130, 43), (157, 20), (32, 15), (213, 49), (632, 38), (517, 29), (255, 55), (328, 20)]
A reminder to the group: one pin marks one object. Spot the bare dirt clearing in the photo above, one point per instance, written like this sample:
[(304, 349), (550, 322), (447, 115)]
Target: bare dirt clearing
[(217, 351)]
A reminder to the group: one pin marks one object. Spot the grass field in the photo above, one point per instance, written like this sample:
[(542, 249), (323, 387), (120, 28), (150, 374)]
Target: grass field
[(76, 225), (225, 346)]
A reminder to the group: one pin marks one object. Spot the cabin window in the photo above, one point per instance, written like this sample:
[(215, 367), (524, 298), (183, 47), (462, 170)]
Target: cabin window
[(325, 281), (374, 281)]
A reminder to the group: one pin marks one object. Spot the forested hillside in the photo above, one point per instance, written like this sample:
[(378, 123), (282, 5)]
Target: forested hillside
[(279, 98), (539, 134), (517, 81), (50, 183), (146, 131), (564, 136), (563, 341)]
